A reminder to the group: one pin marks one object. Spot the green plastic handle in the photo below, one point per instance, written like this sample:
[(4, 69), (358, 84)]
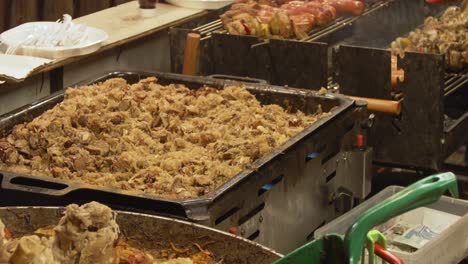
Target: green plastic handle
[(423, 192)]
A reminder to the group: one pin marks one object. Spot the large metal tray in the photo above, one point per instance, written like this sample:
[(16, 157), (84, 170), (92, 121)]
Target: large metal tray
[(301, 179), (154, 233)]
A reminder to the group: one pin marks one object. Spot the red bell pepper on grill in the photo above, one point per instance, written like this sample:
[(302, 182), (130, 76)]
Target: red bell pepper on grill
[(247, 28)]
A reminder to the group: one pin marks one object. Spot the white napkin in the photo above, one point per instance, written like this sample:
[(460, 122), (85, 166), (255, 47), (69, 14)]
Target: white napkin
[(17, 67)]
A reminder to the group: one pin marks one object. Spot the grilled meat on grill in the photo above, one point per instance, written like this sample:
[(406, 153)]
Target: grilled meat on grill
[(285, 19), (345, 6), (324, 13), (445, 35)]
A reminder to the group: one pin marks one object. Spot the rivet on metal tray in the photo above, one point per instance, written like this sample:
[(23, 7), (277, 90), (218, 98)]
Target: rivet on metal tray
[(369, 122)]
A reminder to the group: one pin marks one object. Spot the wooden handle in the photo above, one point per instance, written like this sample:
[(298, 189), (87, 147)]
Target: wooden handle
[(396, 74), (191, 54), (380, 105)]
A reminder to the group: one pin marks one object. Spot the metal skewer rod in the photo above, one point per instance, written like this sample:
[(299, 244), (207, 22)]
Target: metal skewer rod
[(207, 25), (455, 86), (211, 28)]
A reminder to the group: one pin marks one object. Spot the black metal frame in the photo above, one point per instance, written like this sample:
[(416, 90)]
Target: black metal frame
[(434, 119)]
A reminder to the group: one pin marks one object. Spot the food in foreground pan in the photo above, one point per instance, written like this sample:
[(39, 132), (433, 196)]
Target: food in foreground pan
[(285, 19), (165, 140), (89, 234), (447, 35)]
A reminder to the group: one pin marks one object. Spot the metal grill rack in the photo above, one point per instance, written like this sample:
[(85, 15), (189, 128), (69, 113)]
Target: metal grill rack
[(299, 63), (208, 29)]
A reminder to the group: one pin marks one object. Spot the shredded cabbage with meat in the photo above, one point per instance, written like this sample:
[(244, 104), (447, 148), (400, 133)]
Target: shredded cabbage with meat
[(165, 140)]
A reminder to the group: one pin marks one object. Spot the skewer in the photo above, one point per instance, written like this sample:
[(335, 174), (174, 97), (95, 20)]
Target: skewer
[(454, 85), (330, 29), (211, 30), (335, 23), (212, 27), (264, 42), (207, 25), (205, 38)]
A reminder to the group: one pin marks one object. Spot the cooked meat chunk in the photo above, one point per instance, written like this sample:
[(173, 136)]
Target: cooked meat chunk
[(446, 35), (5, 253), (33, 249), (165, 140), (285, 18), (85, 234)]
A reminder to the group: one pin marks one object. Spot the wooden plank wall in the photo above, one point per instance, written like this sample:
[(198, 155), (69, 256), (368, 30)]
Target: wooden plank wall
[(15, 12)]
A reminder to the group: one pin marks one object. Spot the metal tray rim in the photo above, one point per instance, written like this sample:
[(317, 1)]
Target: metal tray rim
[(210, 197), (163, 218)]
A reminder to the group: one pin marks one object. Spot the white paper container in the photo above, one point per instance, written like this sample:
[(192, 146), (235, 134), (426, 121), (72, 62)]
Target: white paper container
[(19, 33), (450, 246), (201, 4)]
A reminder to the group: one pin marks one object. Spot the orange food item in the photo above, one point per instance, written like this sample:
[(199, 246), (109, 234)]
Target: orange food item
[(7, 233), (396, 73)]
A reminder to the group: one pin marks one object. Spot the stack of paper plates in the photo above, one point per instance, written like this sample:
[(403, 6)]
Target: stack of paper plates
[(17, 36)]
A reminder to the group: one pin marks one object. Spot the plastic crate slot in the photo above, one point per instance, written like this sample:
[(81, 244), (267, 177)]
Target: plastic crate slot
[(251, 214), (226, 215), (265, 188), (322, 148), (311, 156), (331, 176), (310, 236), (38, 183), (314, 155), (345, 131), (254, 235), (330, 156)]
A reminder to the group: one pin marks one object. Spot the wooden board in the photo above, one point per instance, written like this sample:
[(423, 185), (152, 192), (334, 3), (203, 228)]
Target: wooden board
[(123, 21), (123, 24)]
